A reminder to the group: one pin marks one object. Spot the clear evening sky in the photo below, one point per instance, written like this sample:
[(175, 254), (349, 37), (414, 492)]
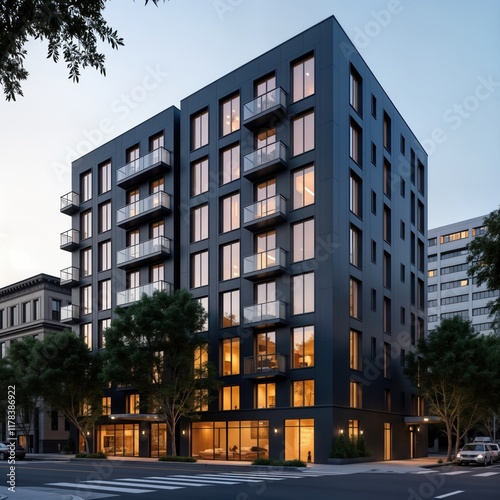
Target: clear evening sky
[(437, 60)]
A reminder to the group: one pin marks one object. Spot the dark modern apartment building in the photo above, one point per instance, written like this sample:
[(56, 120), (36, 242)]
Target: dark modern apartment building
[(32, 308), (289, 197)]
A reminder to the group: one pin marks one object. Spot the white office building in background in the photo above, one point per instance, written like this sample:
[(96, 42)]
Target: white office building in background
[(450, 290)]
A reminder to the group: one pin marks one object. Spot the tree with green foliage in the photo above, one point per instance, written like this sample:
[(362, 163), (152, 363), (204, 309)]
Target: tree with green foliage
[(153, 347), (456, 374), (27, 384), (69, 379), (484, 257), (72, 29)]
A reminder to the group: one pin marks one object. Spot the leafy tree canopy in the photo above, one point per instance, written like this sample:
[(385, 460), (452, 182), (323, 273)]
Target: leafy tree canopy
[(484, 257), (456, 370), (72, 29), (151, 346)]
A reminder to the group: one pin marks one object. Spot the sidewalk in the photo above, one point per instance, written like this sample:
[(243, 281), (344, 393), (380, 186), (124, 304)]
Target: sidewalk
[(393, 466)]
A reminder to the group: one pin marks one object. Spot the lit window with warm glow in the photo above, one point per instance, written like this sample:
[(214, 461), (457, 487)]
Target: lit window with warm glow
[(230, 115)]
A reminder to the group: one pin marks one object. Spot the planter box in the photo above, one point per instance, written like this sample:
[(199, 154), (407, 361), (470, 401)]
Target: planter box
[(346, 461)]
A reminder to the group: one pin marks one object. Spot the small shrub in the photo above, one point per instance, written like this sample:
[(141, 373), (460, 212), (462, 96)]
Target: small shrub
[(99, 455), (340, 448), (171, 458), (363, 451), (440, 461), (279, 463)]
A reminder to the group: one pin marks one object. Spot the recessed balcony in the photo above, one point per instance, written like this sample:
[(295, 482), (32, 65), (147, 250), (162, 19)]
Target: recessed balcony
[(70, 203), (143, 253), (264, 264), (70, 240), (132, 295), (264, 108), (70, 276), (265, 315), (137, 212), (264, 366), (70, 314), (154, 163), (264, 161), (265, 213)]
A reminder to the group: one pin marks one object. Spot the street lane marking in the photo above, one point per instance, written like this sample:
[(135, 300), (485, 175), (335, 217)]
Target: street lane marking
[(191, 478), (456, 473), (138, 485), (486, 474), (424, 472), (96, 487), (450, 494)]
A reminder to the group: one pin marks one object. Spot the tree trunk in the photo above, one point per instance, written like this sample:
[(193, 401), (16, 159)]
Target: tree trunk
[(449, 435), (173, 444)]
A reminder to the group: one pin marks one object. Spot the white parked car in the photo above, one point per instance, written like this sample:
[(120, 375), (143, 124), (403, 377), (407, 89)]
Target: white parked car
[(478, 453)]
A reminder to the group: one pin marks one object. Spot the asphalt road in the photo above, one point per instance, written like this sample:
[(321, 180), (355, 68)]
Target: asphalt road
[(96, 480)]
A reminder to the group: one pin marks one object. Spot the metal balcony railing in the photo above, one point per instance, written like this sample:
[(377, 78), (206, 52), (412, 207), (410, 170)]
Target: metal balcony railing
[(160, 155), (134, 294)]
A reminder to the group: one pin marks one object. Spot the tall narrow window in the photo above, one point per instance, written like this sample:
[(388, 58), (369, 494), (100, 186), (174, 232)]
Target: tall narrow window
[(355, 298), (355, 195), (387, 269), (230, 213), (303, 240), (86, 186), (157, 273), (104, 177), (355, 350), (86, 334), (199, 177), (355, 238), (86, 299), (387, 179), (387, 315), (105, 217), (355, 143), (387, 360), (230, 115), (55, 311), (230, 356), (105, 255), (355, 394), (303, 347), (421, 177), (86, 224), (303, 187), (104, 295), (355, 96), (387, 224), (387, 132), (230, 164), (199, 223), (230, 308), (199, 130), (230, 257), (303, 78), (303, 293), (199, 269), (303, 133), (86, 262)]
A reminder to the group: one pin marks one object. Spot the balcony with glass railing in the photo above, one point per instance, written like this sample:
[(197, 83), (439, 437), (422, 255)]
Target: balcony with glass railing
[(70, 314), (147, 252), (266, 314), (70, 276), (264, 108), (132, 295), (264, 366), (70, 203), (137, 212), (151, 164), (264, 264), (70, 240), (265, 213), (264, 161)]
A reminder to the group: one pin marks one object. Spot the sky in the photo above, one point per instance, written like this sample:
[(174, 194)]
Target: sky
[(436, 59)]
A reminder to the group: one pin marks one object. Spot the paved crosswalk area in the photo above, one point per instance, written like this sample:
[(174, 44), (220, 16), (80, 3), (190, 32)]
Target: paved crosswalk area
[(156, 483)]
